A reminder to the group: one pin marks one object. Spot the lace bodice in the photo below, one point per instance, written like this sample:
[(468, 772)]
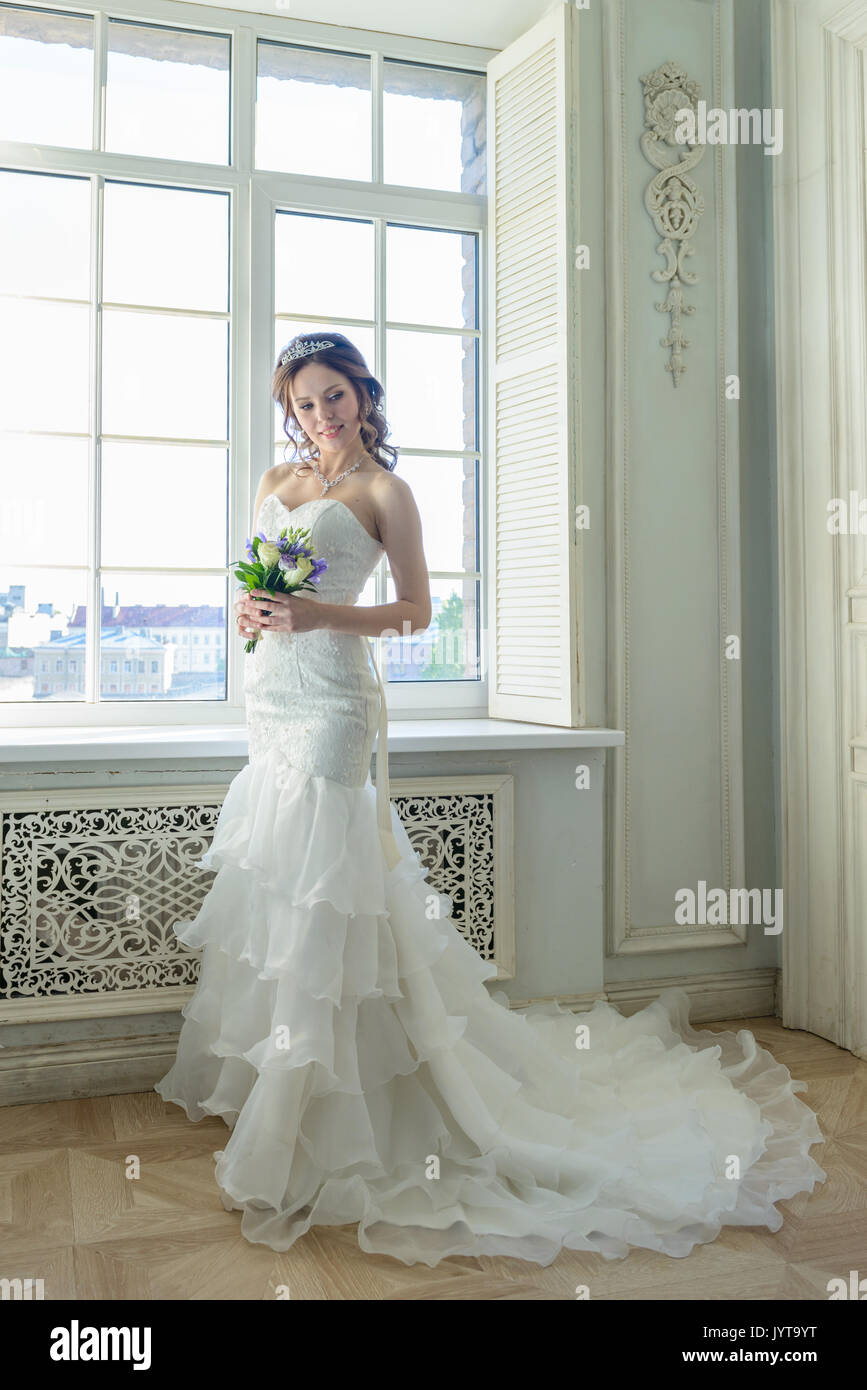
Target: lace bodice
[(339, 537), (312, 698)]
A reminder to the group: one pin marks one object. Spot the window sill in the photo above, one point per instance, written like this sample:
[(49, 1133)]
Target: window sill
[(143, 742)]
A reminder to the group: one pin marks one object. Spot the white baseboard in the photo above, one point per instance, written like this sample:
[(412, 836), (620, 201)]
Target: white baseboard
[(118, 1066), (713, 998), (84, 1068)]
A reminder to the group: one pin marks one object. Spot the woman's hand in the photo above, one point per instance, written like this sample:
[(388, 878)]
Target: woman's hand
[(244, 620), (279, 612)]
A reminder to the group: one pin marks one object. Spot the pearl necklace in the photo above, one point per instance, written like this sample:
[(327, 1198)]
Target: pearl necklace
[(334, 481)]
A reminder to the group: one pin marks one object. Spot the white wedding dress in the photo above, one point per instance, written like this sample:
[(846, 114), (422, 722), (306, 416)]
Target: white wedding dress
[(344, 1032)]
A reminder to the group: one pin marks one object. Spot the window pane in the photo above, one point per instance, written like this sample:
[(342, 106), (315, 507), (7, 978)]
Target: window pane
[(323, 265), (284, 333), (167, 93), (434, 127), (44, 235), (164, 374), (431, 277), (432, 390), (43, 483), (313, 112), (367, 597), (166, 246), (46, 77), (445, 494), (44, 366), (449, 649), (164, 505), (41, 651), (163, 637)]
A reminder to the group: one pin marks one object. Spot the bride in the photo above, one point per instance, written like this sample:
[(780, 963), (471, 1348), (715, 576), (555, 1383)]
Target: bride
[(341, 1025)]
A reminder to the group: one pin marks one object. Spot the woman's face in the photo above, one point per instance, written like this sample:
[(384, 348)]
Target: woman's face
[(326, 406)]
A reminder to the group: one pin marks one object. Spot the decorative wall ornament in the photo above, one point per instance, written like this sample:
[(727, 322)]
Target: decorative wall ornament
[(92, 883), (648, 855), (672, 198)]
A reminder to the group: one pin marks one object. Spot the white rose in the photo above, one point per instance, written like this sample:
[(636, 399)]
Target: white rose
[(297, 575), (268, 554)]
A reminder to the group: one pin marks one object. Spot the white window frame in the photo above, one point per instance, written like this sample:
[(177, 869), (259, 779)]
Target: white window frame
[(255, 196), (273, 193)]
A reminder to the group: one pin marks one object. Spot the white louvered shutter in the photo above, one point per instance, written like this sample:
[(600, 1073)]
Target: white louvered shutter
[(533, 645)]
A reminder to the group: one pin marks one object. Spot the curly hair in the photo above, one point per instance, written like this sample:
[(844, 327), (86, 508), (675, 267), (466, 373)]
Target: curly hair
[(344, 357)]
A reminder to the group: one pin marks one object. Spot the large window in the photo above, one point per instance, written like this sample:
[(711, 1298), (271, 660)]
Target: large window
[(323, 264), (175, 203)]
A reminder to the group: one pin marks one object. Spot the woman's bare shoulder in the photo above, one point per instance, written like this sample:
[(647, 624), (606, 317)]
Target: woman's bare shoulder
[(281, 479), (395, 511), (389, 490), (277, 477)]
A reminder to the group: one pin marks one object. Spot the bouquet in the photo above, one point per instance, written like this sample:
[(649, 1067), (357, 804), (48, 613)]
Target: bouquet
[(285, 566)]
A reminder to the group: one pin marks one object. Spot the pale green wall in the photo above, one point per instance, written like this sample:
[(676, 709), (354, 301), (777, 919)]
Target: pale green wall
[(679, 29)]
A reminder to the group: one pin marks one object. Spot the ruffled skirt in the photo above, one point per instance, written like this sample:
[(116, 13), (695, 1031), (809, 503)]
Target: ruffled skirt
[(342, 1028)]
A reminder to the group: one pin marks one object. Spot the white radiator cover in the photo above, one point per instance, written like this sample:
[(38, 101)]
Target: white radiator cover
[(91, 883)]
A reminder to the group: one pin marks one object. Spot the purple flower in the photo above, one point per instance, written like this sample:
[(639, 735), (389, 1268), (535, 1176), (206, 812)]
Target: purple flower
[(291, 549), (250, 549), (319, 568)]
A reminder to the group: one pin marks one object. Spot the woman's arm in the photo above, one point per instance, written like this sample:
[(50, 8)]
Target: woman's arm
[(399, 527)]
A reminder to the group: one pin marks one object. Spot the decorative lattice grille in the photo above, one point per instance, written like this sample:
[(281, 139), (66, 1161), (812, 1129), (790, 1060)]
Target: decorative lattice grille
[(453, 835), (89, 897), (89, 894)]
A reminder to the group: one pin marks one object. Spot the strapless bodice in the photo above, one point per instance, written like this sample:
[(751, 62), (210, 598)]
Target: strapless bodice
[(339, 537), (312, 698)]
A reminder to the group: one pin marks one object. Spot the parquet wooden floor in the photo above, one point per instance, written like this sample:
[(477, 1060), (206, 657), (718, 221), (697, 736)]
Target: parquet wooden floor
[(71, 1216)]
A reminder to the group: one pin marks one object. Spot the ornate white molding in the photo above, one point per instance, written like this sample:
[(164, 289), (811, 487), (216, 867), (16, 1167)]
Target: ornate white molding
[(91, 883), (673, 200), (624, 936)]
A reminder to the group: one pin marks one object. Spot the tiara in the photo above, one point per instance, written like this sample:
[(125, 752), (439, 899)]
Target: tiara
[(303, 350)]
